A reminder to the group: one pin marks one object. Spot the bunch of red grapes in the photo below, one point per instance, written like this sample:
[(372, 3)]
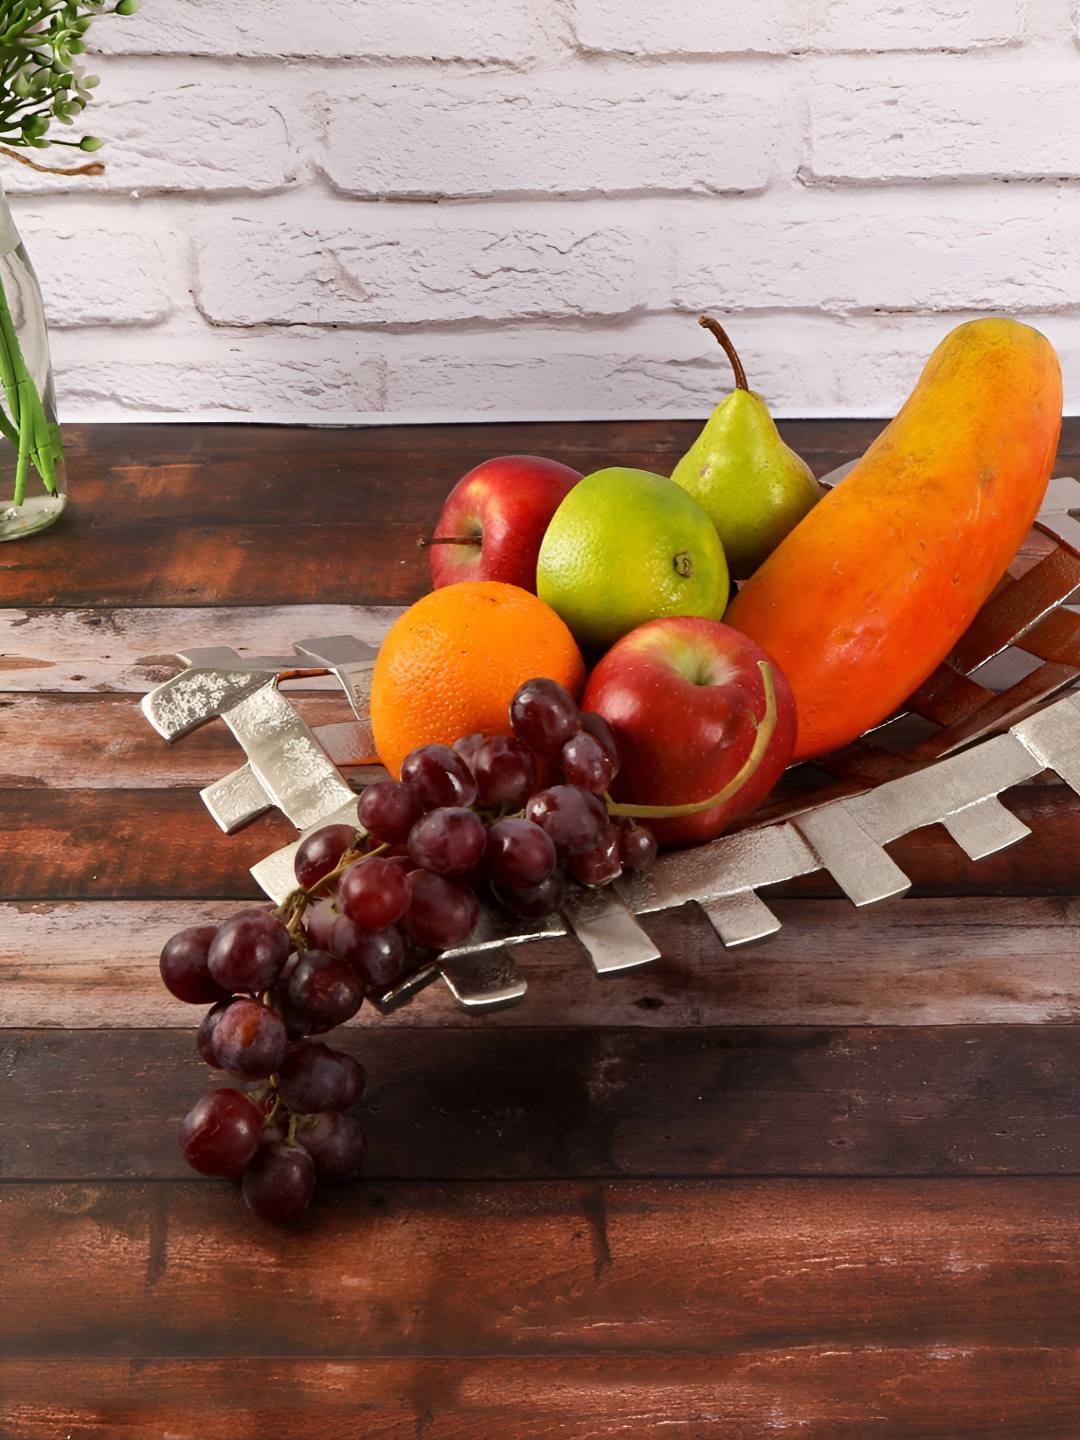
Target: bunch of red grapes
[(515, 818)]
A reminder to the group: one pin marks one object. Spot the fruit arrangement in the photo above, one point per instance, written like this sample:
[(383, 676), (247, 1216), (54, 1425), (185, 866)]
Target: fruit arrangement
[(577, 692)]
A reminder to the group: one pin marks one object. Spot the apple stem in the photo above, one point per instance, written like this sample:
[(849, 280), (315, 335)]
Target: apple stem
[(715, 328), (765, 728), (426, 540)]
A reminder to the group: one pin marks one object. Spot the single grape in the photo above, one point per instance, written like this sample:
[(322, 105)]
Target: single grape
[(371, 893), (184, 966), (320, 853), (637, 846), (204, 1036), (327, 929), (249, 1040), (315, 1077), (575, 819), (584, 763), (220, 1134), (505, 772), (296, 1025), (519, 853), (379, 958), (279, 1182), (544, 716), (324, 990), (466, 746), (319, 919), (355, 1081), (596, 726), (441, 911), (533, 902), (448, 841), (388, 810), (249, 951), (437, 776), (335, 1143), (600, 866)]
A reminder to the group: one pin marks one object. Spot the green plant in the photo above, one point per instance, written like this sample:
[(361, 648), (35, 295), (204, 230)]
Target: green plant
[(40, 82)]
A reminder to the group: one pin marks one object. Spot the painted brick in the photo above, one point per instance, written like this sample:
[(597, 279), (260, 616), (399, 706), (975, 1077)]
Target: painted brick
[(951, 259), (252, 273), (692, 27), (202, 138), (801, 364), (222, 381), (702, 27), (950, 120), (471, 139), (917, 24), (90, 275), (481, 30)]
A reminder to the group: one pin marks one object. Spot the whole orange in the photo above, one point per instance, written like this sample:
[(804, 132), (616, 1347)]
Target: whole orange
[(451, 664)]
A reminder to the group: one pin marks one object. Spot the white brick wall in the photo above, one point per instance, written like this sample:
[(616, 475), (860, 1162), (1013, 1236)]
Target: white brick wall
[(397, 209)]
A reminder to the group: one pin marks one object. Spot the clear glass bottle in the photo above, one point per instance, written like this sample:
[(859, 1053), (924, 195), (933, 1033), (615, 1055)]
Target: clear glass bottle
[(33, 484)]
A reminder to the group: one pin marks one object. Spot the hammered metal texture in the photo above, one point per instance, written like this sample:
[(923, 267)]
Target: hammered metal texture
[(981, 742)]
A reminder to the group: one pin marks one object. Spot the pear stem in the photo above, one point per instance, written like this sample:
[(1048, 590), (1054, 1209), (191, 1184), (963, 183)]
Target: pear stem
[(715, 328), (765, 727)]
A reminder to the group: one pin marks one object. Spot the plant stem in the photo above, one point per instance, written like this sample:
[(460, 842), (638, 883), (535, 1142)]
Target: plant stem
[(765, 728), (30, 423)]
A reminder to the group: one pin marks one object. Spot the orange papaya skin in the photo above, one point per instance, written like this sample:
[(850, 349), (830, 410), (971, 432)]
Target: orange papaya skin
[(869, 593)]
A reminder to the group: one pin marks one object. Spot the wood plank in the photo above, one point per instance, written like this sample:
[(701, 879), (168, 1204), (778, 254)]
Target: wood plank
[(161, 844), (135, 494), (559, 1269), (248, 474), (136, 564), (102, 844), (549, 1102), (923, 1391), (65, 742), (239, 564), (86, 964), (132, 650)]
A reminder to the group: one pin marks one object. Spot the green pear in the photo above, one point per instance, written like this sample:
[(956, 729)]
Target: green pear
[(753, 486)]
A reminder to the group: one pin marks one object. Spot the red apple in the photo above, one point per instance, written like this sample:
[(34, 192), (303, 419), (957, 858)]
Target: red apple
[(498, 513), (682, 696)]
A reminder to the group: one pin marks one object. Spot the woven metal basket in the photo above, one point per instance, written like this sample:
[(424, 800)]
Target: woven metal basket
[(996, 713)]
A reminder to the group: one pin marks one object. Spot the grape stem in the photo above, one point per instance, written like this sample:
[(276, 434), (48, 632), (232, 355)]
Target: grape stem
[(765, 728), (291, 910)]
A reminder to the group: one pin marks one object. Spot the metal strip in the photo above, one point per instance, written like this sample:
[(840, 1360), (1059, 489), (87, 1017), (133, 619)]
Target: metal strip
[(856, 862), (740, 919), (483, 982), (605, 926), (985, 828), (236, 799)]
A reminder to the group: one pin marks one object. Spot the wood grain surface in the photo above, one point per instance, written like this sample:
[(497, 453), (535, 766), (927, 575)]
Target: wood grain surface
[(827, 1186), (971, 961)]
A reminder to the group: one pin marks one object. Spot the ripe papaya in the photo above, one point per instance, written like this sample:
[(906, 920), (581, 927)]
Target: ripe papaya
[(873, 588)]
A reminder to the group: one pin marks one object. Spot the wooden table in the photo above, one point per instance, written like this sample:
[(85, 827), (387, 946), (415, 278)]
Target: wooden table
[(828, 1187)]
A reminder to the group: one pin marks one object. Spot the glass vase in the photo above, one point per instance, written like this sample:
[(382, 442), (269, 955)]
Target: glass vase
[(33, 485)]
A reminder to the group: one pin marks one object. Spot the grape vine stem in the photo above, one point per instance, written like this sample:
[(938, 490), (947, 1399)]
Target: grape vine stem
[(291, 910)]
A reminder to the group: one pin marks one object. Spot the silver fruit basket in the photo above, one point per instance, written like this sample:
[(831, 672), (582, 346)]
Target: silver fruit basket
[(996, 713)]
